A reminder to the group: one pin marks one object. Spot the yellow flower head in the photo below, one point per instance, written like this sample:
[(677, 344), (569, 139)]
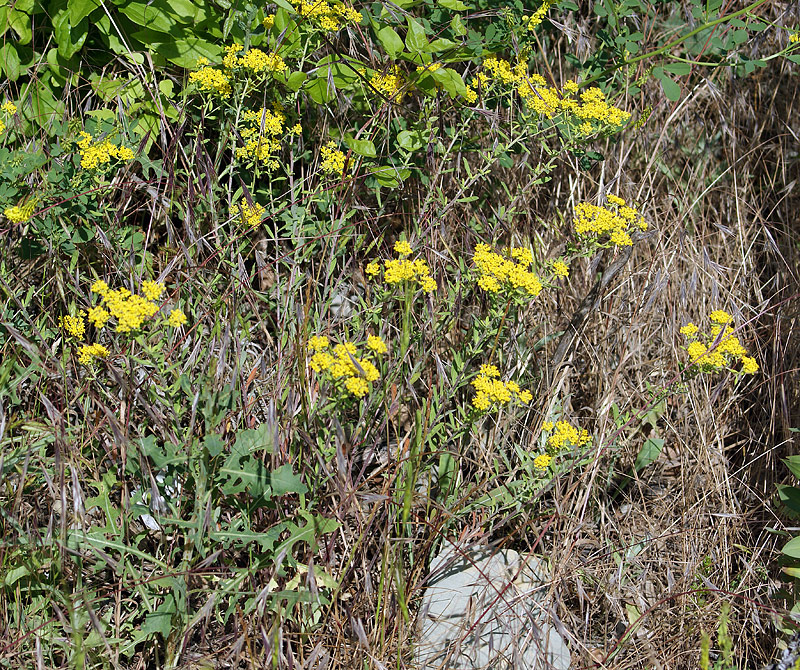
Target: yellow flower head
[(177, 318), (152, 290), (403, 248), (376, 344), (74, 325)]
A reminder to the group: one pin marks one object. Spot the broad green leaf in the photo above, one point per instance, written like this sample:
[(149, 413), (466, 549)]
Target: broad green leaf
[(649, 452), (457, 26), (451, 82), (390, 41), (69, 38), (441, 44), (160, 621), (455, 5), (15, 574), (284, 481), (389, 176), (80, 9), (153, 15), (678, 68), (213, 445), (410, 140), (416, 39), (792, 548), (319, 90), (793, 463), (295, 80), (671, 89), (20, 23), (362, 147), (790, 496), (9, 61)]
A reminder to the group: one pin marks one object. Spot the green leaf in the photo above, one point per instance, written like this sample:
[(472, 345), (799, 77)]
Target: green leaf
[(790, 497), (160, 621), (9, 60), (284, 481), (649, 452), (678, 68), (792, 548), (15, 574), (451, 82), (457, 26), (213, 445), (20, 23), (362, 147), (416, 39), (671, 89), (69, 38), (389, 176), (455, 5), (410, 140), (793, 463), (441, 44), (295, 80), (319, 90), (390, 41), (80, 9)]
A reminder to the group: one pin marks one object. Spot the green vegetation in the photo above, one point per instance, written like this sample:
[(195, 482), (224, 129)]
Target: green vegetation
[(294, 295)]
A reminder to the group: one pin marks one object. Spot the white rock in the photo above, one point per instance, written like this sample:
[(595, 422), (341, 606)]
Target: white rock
[(485, 609)]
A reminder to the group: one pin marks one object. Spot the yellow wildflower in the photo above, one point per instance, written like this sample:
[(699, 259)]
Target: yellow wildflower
[(152, 290), (98, 316), (403, 248), (88, 352), (333, 160), (177, 318), (542, 461), (74, 325), (376, 344)]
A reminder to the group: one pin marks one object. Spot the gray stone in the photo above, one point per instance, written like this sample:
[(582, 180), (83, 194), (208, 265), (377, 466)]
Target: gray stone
[(485, 608)]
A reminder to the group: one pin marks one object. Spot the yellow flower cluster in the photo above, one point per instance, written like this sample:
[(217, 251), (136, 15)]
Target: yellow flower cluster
[(324, 15), (261, 134), (251, 214), (563, 436), (9, 108), (794, 37), (130, 310), (74, 325), (20, 214), (268, 21), (88, 352), (715, 351), (177, 318), (398, 270), (97, 153), (211, 80), (431, 67), (390, 84), (333, 160), (500, 275), (589, 112), (538, 16), (560, 269), (492, 393), (616, 221), (342, 366), (258, 61)]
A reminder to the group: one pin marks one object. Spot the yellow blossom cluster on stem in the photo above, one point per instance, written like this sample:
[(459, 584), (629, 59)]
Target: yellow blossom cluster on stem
[(588, 112), (88, 352), (8, 108), (389, 84), (562, 437), (17, 214), (251, 214), (262, 131), (717, 350), (236, 63), (333, 160), (491, 393), (538, 16), (615, 222), (343, 366), (96, 153), (326, 16), (499, 275), (403, 269)]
